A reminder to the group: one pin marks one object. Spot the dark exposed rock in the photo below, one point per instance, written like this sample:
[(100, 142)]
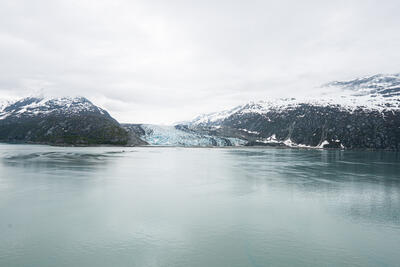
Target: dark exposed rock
[(312, 125), (135, 131)]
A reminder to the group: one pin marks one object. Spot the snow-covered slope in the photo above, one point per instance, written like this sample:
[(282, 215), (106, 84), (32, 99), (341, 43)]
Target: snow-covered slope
[(375, 93), (383, 84), (3, 104), (38, 106), (213, 118)]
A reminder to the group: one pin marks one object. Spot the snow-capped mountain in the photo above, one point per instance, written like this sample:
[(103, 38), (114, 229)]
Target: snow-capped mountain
[(361, 113), (379, 92), (65, 120), (43, 106), (387, 85)]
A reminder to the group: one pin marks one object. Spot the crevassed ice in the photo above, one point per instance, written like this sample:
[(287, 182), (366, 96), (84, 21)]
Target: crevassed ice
[(170, 136)]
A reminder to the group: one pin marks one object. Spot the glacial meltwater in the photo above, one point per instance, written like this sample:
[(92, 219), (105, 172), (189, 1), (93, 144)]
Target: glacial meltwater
[(157, 206)]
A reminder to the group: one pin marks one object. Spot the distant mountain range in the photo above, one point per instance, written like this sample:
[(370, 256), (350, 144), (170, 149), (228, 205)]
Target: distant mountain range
[(361, 113), (358, 114)]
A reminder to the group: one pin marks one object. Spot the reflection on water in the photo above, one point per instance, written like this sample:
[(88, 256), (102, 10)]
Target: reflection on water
[(363, 186), (38, 157), (198, 207), (63, 157)]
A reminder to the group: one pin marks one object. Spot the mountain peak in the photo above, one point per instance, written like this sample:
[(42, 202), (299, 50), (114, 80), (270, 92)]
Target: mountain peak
[(380, 92), (41, 105), (59, 120), (384, 84)]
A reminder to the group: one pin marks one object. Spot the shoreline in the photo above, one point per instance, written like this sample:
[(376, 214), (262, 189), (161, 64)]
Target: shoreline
[(208, 147)]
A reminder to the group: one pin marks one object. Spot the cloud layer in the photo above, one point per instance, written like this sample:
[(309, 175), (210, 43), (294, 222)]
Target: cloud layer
[(163, 61)]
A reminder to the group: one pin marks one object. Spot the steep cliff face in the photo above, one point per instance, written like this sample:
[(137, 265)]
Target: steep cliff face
[(363, 113), (63, 121), (317, 126)]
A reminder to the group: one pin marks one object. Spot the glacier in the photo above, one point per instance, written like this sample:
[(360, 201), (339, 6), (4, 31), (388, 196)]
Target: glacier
[(160, 135)]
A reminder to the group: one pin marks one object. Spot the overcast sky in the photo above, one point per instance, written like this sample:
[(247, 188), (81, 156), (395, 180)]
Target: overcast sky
[(160, 61)]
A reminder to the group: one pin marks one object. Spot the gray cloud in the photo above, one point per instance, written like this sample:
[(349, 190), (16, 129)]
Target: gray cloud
[(164, 61)]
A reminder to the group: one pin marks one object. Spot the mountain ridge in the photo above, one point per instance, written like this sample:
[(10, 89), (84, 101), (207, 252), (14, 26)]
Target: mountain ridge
[(378, 92), (361, 113), (60, 121)]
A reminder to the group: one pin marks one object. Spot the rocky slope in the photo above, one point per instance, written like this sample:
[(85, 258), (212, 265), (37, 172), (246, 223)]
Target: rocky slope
[(362, 113), (62, 121)]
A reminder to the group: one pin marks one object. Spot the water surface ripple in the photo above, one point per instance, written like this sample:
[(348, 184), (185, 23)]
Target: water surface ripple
[(107, 206)]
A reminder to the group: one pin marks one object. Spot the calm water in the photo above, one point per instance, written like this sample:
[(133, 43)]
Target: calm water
[(198, 207)]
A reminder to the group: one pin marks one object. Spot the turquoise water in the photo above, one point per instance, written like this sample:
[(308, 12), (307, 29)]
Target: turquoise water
[(198, 207)]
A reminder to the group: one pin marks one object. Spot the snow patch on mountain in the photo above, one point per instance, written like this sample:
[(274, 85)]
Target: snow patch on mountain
[(250, 132), (324, 143), (272, 140)]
